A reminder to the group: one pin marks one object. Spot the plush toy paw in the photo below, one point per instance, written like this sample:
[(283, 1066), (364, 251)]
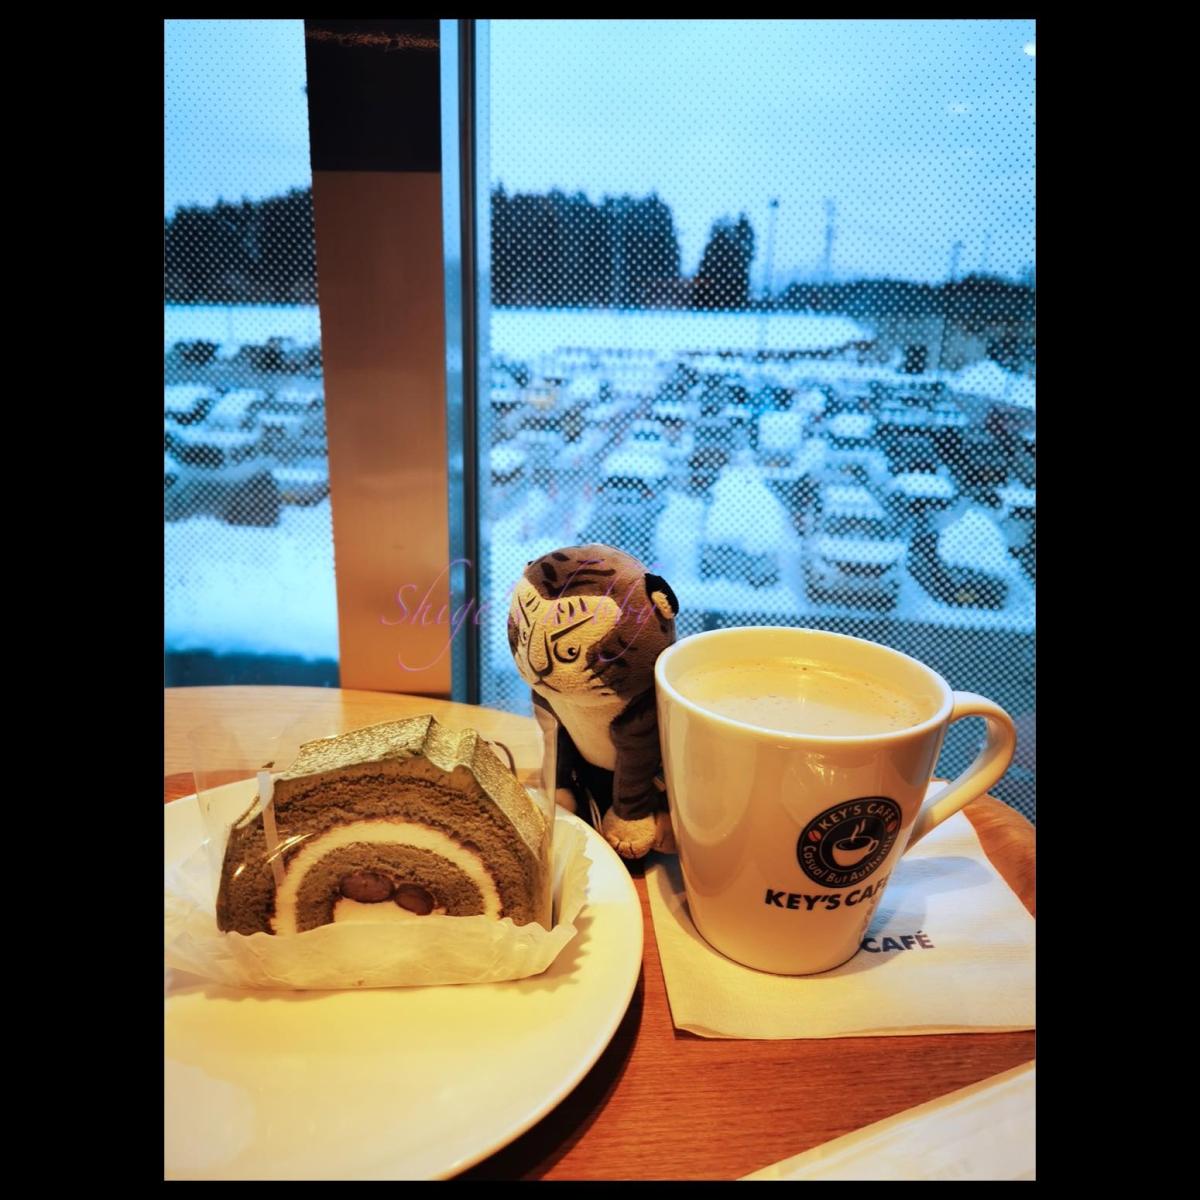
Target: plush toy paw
[(664, 836), (636, 838), (630, 839), (565, 798)]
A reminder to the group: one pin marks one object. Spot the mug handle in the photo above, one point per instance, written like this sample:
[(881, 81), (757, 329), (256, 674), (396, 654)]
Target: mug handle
[(989, 765)]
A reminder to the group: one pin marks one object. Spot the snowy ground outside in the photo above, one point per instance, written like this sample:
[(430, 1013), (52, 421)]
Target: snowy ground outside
[(234, 325), (523, 332), (271, 590), (533, 525), (231, 589)]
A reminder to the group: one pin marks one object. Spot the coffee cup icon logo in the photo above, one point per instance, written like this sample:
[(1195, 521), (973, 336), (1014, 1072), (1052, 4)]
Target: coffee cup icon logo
[(848, 842), (849, 852)]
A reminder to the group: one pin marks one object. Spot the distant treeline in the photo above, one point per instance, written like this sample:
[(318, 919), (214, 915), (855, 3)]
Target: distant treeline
[(255, 252), (558, 251), (565, 251), (973, 303)]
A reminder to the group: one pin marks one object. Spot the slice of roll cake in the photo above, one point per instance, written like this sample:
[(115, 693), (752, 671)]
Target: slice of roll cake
[(392, 822)]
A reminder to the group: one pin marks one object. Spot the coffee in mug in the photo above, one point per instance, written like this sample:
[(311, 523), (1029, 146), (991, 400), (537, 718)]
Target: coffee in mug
[(794, 696), (797, 763)]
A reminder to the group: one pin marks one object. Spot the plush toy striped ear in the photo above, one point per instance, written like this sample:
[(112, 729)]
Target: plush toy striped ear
[(662, 597)]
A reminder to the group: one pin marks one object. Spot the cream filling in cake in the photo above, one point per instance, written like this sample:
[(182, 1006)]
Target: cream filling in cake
[(354, 910), (402, 833)]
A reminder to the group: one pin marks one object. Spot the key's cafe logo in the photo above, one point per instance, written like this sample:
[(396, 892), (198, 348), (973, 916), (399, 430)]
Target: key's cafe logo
[(848, 843)]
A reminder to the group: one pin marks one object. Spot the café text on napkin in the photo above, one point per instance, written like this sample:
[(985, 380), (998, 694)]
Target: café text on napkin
[(950, 950)]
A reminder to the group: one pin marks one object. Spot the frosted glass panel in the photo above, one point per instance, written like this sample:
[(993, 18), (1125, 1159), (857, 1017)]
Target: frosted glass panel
[(762, 301), (249, 585)]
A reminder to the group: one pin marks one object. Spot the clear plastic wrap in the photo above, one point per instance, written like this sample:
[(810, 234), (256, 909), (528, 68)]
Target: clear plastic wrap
[(224, 754), (380, 858)]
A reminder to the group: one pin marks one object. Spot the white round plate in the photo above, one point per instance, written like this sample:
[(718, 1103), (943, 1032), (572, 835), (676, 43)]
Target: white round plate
[(397, 1083)]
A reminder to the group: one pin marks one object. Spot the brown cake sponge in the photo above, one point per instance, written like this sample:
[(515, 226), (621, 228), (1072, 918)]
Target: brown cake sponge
[(409, 814)]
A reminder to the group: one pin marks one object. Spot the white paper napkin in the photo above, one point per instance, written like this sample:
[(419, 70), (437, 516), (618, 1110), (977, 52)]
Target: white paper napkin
[(952, 951), (981, 1132)]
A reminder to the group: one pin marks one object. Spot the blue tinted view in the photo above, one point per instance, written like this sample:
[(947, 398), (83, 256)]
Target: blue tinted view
[(762, 313), (249, 584)]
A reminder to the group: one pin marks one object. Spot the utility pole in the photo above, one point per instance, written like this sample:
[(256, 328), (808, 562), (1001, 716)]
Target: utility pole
[(830, 215), (955, 251), (766, 299), (773, 211)]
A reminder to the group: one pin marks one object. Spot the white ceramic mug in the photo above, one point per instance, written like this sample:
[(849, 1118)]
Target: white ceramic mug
[(786, 840)]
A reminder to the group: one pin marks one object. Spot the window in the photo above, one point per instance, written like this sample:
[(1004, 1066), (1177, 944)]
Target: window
[(249, 584), (756, 304), (760, 310)]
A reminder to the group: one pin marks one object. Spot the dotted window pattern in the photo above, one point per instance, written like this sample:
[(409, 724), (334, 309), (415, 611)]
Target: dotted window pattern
[(762, 313), (249, 583)]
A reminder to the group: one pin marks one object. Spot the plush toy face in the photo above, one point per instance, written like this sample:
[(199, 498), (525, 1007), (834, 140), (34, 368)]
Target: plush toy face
[(553, 640), (586, 623)]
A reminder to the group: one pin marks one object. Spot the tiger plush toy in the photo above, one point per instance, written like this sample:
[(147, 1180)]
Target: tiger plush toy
[(585, 626)]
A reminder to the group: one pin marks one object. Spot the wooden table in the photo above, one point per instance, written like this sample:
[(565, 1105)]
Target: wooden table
[(661, 1103)]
